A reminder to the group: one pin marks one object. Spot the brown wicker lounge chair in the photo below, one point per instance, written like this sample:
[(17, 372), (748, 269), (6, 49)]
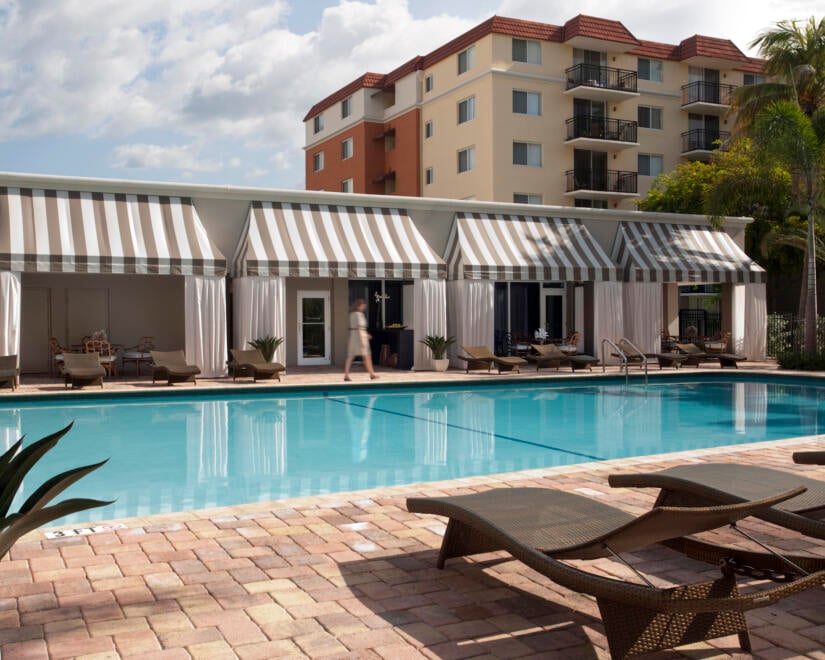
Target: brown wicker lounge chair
[(81, 369), (662, 359), (9, 371), (479, 357), (171, 366), (252, 363), (695, 355), (541, 526), (547, 355)]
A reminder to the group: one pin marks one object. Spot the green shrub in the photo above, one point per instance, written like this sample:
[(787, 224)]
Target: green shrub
[(438, 344), (267, 346), (802, 361)]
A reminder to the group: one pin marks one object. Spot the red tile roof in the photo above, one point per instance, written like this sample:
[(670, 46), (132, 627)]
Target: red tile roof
[(752, 65), (368, 80), (598, 28), (657, 50), (700, 46)]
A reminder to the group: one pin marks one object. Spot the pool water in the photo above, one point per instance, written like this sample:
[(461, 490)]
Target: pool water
[(177, 454)]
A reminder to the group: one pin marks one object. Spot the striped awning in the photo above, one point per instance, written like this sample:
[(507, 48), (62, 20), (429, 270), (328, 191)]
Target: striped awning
[(517, 247), (316, 240), (60, 231), (659, 252)]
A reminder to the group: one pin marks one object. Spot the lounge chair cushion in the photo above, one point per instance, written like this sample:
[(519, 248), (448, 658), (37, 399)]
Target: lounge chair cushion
[(172, 366)]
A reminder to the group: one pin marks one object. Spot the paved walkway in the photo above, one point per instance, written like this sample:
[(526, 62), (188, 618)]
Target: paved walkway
[(350, 576)]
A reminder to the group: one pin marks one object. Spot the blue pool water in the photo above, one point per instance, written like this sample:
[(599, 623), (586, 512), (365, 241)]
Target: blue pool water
[(183, 453)]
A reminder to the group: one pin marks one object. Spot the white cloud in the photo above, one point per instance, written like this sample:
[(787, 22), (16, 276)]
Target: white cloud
[(159, 156)]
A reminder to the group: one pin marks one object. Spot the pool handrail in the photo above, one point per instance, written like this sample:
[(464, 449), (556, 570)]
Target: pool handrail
[(626, 341), (619, 353)]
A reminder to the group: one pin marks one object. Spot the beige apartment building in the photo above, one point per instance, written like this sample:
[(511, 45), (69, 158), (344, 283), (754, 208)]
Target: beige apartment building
[(581, 114)]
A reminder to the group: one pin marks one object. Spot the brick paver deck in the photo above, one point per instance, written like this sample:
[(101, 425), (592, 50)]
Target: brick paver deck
[(351, 575)]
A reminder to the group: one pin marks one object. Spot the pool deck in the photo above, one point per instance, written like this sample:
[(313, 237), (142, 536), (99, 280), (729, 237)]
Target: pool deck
[(353, 575)]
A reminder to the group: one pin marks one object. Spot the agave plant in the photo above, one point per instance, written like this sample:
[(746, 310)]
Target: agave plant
[(267, 346), (34, 512), (438, 344)]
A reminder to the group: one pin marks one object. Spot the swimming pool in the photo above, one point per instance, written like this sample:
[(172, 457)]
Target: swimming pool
[(198, 451)]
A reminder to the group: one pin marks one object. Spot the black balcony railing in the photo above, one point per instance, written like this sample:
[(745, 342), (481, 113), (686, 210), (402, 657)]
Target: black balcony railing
[(592, 75), (602, 180), (706, 92), (703, 139), (601, 128)]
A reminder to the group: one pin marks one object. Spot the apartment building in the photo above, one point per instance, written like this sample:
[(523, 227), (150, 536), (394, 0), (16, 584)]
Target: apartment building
[(582, 114)]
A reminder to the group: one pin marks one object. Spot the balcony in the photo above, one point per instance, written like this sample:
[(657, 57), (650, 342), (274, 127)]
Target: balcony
[(700, 143), (601, 83), (601, 184), (589, 132), (706, 97)]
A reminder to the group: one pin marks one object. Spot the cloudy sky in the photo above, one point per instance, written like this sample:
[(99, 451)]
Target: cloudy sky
[(213, 91)]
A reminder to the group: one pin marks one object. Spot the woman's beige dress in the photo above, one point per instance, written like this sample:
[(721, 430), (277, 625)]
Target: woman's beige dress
[(359, 343)]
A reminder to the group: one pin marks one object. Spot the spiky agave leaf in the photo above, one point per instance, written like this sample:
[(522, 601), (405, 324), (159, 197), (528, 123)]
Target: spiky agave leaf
[(56, 485), (5, 459)]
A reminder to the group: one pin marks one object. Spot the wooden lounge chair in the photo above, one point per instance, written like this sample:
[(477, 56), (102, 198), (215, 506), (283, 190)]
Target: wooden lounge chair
[(171, 366), (542, 526), (663, 359), (9, 371), (480, 356), (696, 356), (81, 369), (547, 355), (252, 363)]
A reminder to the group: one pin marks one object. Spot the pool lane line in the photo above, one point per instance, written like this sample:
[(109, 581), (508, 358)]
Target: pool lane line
[(465, 428)]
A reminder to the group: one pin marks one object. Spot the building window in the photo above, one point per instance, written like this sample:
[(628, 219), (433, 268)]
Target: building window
[(650, 164), (466, 159), (650, 117), (466, 59), (754, 79), (466, 109), (526, 103), (527, 153), (317, 123), (650, 70), (428, 128), (346, 107), (346, 148), (526, 50), (318, 161), (591, 203), (346, 185), (428, 83), (526, 198), (428, 176)]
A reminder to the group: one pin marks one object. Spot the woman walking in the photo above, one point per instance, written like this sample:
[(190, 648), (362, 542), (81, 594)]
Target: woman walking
[(359, 339)]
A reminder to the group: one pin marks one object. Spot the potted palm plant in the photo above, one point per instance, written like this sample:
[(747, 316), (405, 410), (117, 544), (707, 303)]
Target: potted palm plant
[(438, 344), (267, 346)]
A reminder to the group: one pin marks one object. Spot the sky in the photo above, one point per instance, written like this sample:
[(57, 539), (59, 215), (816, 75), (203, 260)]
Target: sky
[(214, 91)]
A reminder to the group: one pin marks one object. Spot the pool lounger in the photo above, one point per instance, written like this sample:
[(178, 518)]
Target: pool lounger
[(542, 526)]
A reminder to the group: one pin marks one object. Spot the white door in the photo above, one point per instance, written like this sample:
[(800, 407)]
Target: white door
[(314, 328)]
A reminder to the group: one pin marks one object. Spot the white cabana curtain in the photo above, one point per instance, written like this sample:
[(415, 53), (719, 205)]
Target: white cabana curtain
[(643, 315), (470, 306), (429, 317), (9, 313), (207, 442), (755, 327), (259, 306), (608, 314), (205, 319)]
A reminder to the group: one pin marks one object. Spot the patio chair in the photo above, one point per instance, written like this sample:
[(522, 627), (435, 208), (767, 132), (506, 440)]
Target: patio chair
[(252, 363), (542, 526), (56, 352), (107, 354), (696, 356), (718, 344), (9, 371), (138, 354), (480, 356), (547, 355), (171, 366), (81, 369)]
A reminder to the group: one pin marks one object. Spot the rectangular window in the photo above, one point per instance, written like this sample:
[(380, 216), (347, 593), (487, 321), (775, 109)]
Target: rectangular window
[(346, 107), (526, 198), (650, 70), (467, 109), (650, 117), (650, 165), (526, 50), (466, 59), (428, 176), (466, 159), (346, 185), (527, 153), (428, 128), (318, 161), (428, 83), (754, 79), (526, 103), (317, 123), (346, 149), (591, 203)]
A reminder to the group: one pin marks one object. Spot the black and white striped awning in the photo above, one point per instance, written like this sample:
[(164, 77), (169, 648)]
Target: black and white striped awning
[(483, 246), (62, 231), (660, 252), (316, 240)]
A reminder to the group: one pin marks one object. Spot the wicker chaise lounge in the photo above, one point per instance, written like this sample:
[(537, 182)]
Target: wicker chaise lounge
[(252, 363), (550, 355), (9, 371), (542, 526), (171, 366), (82, 369), (479, 357), (696, 356), (633, 356)]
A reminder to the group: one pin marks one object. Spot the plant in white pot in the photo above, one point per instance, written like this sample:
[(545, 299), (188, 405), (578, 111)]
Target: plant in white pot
[(438, 344)]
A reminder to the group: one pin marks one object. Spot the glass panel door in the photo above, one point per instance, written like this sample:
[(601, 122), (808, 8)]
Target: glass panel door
[(552, 313), (313, 328)]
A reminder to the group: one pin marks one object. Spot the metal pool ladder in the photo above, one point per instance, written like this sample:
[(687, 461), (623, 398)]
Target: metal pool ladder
[(622, 355)]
